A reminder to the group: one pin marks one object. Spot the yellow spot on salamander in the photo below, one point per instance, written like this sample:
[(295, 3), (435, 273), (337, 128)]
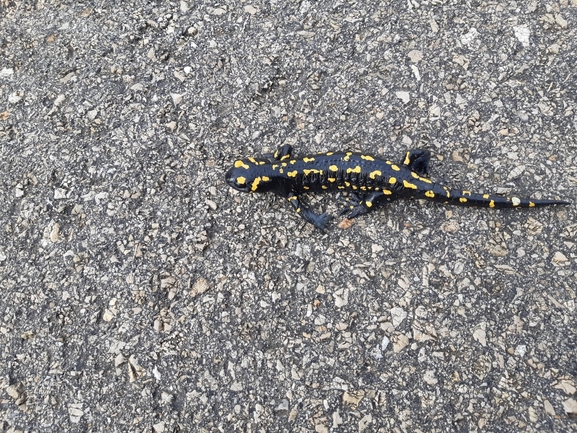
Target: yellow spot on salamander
[(387, 192), (252, 160), (305, 187), (257, 181), (430, 194), (415, 175), (347, 184), (292, 161), (462, 199), (298, 209), (367, 157), (395, 167), (364, 188), (283, 164), (333, 168), (292, 173), (516, 201), (407, 160), (312, 170), (531, 204), (357, 169), (375, 173), (285, 157), (368, 204), (239, 164), (308, 159), (331, 179), (274, 166), (466, 192), (347, 156), (409, 185), (486, 196), (324, 186), (329, 153), (292, 197), (447, 191), (241, 180), (492, 203), (393, 180)]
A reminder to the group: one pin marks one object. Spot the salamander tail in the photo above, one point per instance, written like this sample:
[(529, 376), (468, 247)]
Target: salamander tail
[(465, 198), (541, 203)]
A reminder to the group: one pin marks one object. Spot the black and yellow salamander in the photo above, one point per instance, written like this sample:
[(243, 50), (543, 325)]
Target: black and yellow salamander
[(373, 181)]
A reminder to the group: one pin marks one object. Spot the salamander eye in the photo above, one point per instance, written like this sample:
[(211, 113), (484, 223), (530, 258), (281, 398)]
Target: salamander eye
[(234, 177), (240, 182)]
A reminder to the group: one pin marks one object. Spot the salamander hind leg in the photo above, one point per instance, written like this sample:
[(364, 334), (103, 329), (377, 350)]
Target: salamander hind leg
[(368, 203), (319, 221), (351, 201), (418, 161)]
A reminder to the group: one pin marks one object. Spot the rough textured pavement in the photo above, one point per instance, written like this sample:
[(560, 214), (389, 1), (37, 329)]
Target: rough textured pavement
[(140, 293)]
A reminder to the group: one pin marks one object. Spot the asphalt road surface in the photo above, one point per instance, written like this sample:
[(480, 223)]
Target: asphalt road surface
[(139, 293)]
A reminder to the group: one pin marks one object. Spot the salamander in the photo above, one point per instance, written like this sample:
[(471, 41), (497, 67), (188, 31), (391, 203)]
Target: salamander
[(373, 181)]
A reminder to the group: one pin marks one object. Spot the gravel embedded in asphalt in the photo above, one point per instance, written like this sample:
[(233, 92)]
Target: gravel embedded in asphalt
[(141, 293)]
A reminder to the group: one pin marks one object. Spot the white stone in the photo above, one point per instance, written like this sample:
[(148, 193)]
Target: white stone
[(403, 96), (59, 193), (14, 98), (55, 232), (481, 336), (522, 33), (520, 350), (559, 258), (398, 315), (570, 406), (6, 72), (375, 248), (415, 56), (108, 315), (385, 343), (250, 9), (470, 36), (429, 377), (416, 72), (177, 98), (400, 342), (59, 100)]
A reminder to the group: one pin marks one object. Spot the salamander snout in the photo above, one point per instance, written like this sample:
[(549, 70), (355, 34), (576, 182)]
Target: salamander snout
[(237, 178)]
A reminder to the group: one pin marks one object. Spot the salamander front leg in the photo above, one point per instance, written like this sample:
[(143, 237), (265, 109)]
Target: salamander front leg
[(283, 152), (319, 221)]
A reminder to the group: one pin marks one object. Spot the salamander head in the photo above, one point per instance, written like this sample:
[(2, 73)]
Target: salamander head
[(250, 175)]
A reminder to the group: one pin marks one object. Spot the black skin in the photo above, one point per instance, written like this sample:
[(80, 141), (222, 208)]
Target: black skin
[(373, 181)]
